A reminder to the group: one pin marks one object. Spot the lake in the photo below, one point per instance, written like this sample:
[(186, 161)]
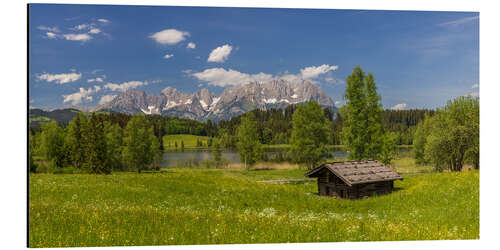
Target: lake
[(196, 156)]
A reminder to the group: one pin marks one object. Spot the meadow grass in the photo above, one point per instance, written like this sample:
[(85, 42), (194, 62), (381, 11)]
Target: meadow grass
[(195, 206), (407, 165), (189, 141)]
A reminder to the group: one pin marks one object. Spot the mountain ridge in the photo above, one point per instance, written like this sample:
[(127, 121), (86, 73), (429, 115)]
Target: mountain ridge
[(204, 104)]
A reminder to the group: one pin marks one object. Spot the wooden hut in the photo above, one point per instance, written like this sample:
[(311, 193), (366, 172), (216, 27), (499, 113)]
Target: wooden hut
[(354, 179)]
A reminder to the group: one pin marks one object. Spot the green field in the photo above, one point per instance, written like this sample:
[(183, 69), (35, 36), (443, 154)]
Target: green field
[(195, 206), (189, 141)]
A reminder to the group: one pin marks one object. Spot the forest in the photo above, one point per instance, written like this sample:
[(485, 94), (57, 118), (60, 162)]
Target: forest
[(274, 125)]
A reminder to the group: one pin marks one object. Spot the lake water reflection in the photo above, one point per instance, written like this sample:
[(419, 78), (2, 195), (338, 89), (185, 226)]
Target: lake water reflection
[(196, 156)]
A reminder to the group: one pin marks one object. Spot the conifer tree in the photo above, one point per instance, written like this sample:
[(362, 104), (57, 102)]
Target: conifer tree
[(75, 140), (96, 151), (114, 140)]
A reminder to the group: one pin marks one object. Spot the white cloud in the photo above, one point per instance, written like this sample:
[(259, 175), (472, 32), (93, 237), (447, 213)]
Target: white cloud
[(222, 77), (475, 86), (167, 56), (77, 37), (102, 20), (51, 35), (81, 27), (220, 54), (399, 106), (106, 99), (459, 21), (52, 29), (191, 45), (82, 95), (292, 78), (124, 86), (94, 31), (169, 36), (97, 79), (338, 103), (60, 78), (314, 71)]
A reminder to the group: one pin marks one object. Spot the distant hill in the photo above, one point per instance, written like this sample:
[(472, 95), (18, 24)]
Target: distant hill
[(39, 116)]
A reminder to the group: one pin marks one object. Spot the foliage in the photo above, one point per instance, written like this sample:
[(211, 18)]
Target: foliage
[(362, 130), (216, 152), (354, 132), (75, 140), (375, 134), (114, 145), (309, 135), (389, 150), (423, 129), (139, 150), (249, 146), (52, 143), (96, 151), (454, 135)]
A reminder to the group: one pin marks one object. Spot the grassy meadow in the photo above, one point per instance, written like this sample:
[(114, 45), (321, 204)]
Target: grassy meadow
[(214, 206), (189, 141)]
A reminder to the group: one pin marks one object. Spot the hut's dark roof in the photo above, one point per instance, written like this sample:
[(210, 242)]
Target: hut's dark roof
[(357, 172)]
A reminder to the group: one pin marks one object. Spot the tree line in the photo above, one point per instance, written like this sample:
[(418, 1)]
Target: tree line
[(274, 126), (93, 144)]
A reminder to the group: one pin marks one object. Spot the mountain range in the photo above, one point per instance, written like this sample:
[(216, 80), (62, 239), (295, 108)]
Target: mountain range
[(204, 104)]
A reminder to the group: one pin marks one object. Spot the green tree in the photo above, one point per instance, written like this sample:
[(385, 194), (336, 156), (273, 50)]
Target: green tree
[(420, 139), (362, 131), (96, 151), (75, 140), (32, 147), (374, 129), (309, 135), (216, 152), (249, 146), (355, 115), (138, 151), (114, 145), (156, 153), (454, 135), (388, 149), (52, 143)]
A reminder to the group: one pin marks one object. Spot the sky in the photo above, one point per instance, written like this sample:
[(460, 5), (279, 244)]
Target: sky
[(85, 55)]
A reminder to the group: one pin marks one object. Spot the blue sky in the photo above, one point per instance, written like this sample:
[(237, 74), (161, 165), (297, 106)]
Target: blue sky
[(85, 54)]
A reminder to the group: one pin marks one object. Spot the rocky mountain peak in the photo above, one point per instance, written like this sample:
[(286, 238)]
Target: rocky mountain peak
[(233, 101)]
